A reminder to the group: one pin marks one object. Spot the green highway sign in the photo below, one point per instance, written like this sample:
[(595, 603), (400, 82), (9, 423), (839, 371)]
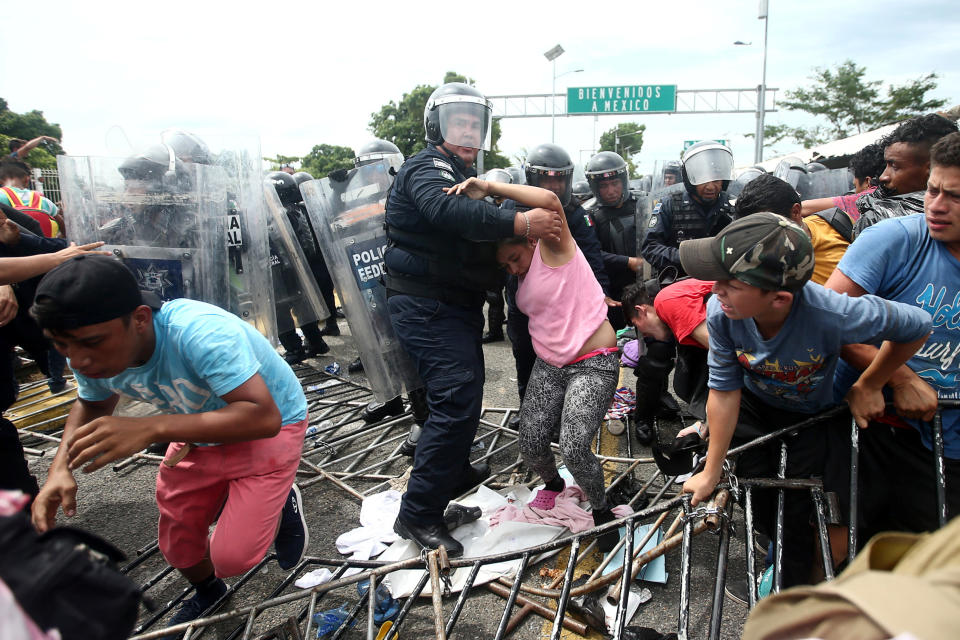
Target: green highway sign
[(630, 98), (689, 143)]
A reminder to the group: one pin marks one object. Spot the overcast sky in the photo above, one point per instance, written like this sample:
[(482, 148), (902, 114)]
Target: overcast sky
[(299, 74)]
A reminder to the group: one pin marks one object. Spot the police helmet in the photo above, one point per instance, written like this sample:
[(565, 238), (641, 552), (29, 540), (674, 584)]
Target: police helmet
[(550, 160), (156, 167), (581, 191), (673, 168), (604, 167), (498, 175), (517, 174), (301, 176), (816, 166), (187, 146), (377, 150), (735, 187), (287, 188), (707, 161), (441, 114)]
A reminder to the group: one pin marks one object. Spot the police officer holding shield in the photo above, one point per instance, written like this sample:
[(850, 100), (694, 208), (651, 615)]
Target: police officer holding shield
[(440, 261)]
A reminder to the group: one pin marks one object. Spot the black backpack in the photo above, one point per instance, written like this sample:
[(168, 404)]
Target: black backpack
[(839, 220), (67, 579)]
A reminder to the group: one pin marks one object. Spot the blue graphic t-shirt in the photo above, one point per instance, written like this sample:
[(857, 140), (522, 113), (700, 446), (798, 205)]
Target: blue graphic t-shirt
[(202, 353), (897, 259), (794, 370)]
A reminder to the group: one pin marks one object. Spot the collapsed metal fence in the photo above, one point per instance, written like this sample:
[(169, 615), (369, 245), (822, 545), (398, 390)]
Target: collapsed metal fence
[(346, 455)]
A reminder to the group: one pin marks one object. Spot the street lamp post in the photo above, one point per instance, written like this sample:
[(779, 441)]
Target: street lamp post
[(762, 102), (552, 56)]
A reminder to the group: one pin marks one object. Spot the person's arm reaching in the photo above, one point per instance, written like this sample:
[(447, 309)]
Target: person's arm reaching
[(723, 410), (31, 145), (20, 269), (866, 395)]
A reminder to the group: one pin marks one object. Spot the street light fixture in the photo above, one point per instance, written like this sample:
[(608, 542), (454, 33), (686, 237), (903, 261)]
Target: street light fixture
[(552, 56)]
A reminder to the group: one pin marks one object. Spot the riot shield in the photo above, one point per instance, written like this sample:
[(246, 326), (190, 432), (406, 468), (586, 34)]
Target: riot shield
[(169, 232), (295, 291), (347, 216), (827, 184), (643, 215)]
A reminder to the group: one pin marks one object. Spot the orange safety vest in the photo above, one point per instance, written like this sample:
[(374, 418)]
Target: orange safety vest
[(48, 225)]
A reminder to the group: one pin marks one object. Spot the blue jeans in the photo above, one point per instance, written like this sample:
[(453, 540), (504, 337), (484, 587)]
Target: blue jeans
[(443, 340)]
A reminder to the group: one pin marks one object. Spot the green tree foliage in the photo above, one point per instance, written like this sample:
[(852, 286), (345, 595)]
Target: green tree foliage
[(280, 161), (27, 126), (324, 158), (851, 104), (625, 139), (402, 122)]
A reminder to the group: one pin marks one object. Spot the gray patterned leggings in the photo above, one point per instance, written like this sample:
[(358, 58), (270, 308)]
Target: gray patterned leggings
[(572, 400)]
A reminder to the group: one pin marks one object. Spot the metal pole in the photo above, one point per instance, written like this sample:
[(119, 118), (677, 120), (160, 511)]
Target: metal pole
[(684, 617), (762, 93), (553, 104)]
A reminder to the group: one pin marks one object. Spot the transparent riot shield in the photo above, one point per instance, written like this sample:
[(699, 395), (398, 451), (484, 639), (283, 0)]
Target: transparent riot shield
[(827, 184), (643, 215), (250, 294), (168, 231), (295, 292), (347, 216)]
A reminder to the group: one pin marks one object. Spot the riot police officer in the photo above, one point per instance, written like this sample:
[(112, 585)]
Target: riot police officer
[(296, 351), (615, 220), (549, 166), (440, 260), (581, 191), (377, 150), (700, 210)]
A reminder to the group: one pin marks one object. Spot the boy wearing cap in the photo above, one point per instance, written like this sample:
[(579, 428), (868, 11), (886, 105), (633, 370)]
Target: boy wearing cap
[(233, 412), (775, 341)]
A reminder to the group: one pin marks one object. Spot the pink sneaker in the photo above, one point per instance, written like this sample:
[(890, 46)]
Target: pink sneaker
[(545, 500)]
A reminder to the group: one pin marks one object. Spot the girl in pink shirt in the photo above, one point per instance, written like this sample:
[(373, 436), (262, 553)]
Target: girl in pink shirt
[(577, 367)]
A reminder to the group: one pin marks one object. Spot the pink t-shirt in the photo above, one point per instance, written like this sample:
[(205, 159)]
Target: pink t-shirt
[(849, 202), (565, 306)]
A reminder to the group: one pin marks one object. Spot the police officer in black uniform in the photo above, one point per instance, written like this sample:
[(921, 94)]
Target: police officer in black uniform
[(701, 210), (440, 260), (549, 166), (615, 219)]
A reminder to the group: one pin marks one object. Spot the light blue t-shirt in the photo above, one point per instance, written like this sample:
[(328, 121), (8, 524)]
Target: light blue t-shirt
[(202, 353), (794, 370), (897, 259)]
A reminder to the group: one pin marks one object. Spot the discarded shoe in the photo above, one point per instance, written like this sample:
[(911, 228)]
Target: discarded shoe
[(377, 411), (356, 366), (429, 536), (292, 535), (457, 515)]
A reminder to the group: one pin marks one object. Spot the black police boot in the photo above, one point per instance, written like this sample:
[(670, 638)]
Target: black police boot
[(295, 357), (643, 428), (409, 446), (331, 328), (377, 411), (476, 474), (356, 366), (429, 536), (492, 336), (314, 349)]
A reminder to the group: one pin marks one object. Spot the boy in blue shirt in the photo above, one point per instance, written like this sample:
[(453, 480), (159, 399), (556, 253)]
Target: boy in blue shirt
[(775, 341), (233, 412), (914, 260)]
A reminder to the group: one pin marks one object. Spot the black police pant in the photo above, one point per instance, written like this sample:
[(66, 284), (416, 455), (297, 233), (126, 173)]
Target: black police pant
[(444, 342), (521, 344)]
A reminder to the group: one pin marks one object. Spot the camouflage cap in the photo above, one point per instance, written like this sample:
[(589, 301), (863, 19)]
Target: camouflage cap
[(763, 249)]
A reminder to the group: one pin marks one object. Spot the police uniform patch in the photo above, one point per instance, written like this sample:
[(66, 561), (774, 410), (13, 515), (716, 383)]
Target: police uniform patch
[(652, 223), (448, 176), (656, 209), (588, 219), (440, 164)]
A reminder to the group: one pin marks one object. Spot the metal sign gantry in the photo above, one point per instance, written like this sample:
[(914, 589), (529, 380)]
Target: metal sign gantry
[(538, 105)]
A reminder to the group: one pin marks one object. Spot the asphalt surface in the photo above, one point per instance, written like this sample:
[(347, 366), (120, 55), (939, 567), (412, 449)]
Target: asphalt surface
[(120, 506)]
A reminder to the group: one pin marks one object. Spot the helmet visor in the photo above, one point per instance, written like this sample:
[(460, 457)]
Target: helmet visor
[(465, 121), (712, 163)]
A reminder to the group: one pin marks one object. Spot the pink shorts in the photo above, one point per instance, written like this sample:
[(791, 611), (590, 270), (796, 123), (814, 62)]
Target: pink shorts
[(249, 480)]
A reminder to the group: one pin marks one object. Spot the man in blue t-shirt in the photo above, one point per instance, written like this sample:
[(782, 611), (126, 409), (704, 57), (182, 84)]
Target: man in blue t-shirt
[(914, 260), (232, 410), (775, 341)]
